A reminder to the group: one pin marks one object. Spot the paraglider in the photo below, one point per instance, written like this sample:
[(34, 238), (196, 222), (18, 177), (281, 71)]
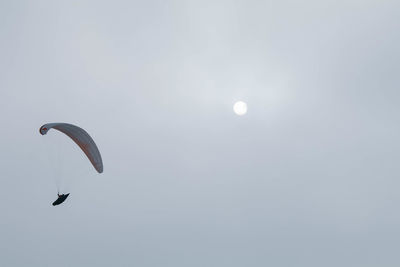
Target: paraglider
[(60, 199), (83, 140)]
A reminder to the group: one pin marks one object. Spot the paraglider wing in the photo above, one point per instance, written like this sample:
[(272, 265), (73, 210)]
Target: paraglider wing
[(81, 138)]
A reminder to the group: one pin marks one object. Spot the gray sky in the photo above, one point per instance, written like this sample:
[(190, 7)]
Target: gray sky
[(308, 177)]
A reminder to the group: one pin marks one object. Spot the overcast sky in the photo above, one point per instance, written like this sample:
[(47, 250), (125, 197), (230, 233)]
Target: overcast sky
[(308, 177)]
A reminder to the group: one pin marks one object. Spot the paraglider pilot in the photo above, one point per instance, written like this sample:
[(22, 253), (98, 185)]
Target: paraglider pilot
[(61, 198)]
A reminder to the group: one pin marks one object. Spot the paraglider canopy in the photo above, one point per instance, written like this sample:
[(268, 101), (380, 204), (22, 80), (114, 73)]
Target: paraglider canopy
[(81, 138)]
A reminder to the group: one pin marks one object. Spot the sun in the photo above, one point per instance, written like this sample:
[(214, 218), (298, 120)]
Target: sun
[(240, 108)]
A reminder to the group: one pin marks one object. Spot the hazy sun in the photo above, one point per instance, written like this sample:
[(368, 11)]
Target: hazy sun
[(240, 108)]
